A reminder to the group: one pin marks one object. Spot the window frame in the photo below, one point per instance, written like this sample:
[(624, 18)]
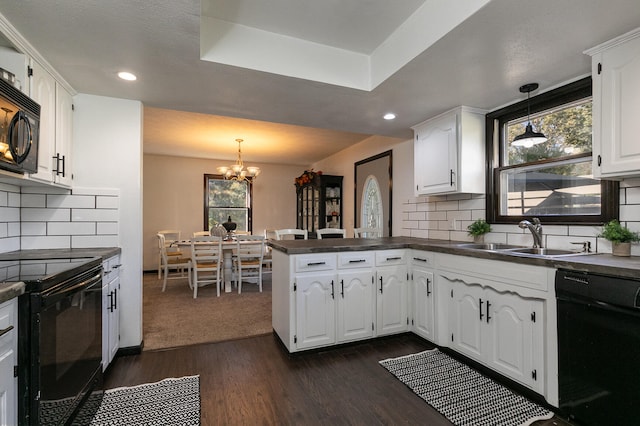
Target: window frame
[(495, 120), (205, 218)]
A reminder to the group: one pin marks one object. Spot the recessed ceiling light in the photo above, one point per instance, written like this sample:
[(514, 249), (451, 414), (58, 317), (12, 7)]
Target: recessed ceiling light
[(389, 116), (127, 76)]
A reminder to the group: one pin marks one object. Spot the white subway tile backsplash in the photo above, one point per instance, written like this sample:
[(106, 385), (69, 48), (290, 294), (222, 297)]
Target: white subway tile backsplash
[(88, 215), (33, 228), (33, 200), (13, 199), (87, 241), (42, 217), (44, 190), (45, 215), (633, 195), (107, 228), (9, 214), (630, 213), (71, 201), (439, 235), (436, 216), (447, 205), (417, 216), (45, 242), (420, 233), (459, 215), (555, 229), (71, 228), (103, 202), (113, 192), (474, 203), (13, 229)]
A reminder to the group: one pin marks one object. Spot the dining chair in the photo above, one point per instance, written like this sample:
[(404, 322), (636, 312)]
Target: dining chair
[(172, 261), (267, 266), (206, 262), (248, 259), (170, 235), (201, 234), (282, 234), (367, 232), (331, 233)]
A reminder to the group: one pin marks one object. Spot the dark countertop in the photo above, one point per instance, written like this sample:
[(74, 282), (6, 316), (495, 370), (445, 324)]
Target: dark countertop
[(103, 252), (597, 263), (10, 290)]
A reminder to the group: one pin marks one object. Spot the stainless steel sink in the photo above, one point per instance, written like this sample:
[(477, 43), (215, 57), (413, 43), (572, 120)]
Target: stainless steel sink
[(488, 246), (537, 251)]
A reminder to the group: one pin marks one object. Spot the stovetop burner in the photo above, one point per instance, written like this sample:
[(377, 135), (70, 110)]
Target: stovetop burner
[(38, 274)]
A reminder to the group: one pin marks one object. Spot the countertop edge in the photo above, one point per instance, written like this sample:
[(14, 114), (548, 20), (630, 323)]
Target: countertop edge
[(597, 263), (10, 291)]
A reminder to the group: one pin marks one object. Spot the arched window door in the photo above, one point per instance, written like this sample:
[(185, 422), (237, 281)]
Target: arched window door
[(371, 204)]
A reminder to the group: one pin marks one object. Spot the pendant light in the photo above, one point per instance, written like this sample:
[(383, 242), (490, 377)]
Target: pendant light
[(529, 138), (237, 171)]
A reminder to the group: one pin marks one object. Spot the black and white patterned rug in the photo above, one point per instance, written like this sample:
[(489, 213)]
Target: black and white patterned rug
[(460, 393), (174, 401)]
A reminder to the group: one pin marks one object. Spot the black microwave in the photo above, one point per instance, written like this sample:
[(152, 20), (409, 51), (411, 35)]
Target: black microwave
[(19, 130)]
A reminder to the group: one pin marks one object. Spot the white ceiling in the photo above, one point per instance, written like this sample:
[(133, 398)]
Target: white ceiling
[(480, 62)]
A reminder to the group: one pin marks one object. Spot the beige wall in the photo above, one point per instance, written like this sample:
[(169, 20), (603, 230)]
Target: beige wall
[(343, 163), (174, 196)]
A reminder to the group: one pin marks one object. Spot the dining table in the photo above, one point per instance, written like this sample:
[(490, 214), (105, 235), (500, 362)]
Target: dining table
[(227, 254)]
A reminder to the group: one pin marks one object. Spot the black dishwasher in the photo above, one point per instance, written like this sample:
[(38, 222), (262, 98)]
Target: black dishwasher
[(598, 348)]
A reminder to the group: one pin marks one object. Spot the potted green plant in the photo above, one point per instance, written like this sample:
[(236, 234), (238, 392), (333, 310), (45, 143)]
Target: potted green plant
[(620, 236), (477, 230)]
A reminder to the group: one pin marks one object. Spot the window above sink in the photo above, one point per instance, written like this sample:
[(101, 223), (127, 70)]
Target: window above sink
[(552, 180)]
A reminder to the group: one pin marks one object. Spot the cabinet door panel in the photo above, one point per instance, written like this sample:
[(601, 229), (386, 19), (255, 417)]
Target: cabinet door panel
[(355, 305), (435, 156), (64, 130), (315, 312), (391, 286), (619, 108), (43, 91), (466, 310), (423, 300), (515, 343)]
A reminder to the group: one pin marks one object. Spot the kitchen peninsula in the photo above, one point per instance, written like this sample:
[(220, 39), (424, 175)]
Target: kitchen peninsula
[(329, 292)]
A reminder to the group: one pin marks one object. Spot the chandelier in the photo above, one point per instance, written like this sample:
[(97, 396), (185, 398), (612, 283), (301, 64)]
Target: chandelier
[(237, 171)]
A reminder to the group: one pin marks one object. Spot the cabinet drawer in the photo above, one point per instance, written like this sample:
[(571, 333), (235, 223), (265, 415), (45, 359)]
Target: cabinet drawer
[(422, 258), (8, 319), (111, 266), (315, 262), (356, 259), (391, 257)]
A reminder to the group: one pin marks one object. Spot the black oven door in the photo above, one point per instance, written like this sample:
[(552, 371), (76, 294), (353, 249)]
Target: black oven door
[(68, 330)]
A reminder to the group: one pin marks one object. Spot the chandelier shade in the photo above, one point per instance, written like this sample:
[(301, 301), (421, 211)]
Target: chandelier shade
[(529, 138), (237, 171)]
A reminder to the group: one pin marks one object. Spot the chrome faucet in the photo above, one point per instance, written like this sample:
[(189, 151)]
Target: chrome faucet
[(536, 231)]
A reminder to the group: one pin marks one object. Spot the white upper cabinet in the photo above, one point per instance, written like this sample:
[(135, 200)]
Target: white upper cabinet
[(449, 153), (56, 122), (616, 107)]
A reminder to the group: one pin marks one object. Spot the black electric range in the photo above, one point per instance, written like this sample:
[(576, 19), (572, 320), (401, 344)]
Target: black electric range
[(60, 337)]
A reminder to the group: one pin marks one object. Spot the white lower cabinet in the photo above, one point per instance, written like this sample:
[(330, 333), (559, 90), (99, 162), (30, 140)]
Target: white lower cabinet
[(334, 303), (8, 361), (391, 298), (501, 330), (315, 310), (423, 303), (110, 309), (355, 305)]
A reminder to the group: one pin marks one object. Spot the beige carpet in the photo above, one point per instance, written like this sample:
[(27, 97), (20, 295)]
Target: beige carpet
[(174, 318)]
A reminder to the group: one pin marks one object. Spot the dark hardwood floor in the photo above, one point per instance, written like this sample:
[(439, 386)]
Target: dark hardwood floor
[(254, 381)]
